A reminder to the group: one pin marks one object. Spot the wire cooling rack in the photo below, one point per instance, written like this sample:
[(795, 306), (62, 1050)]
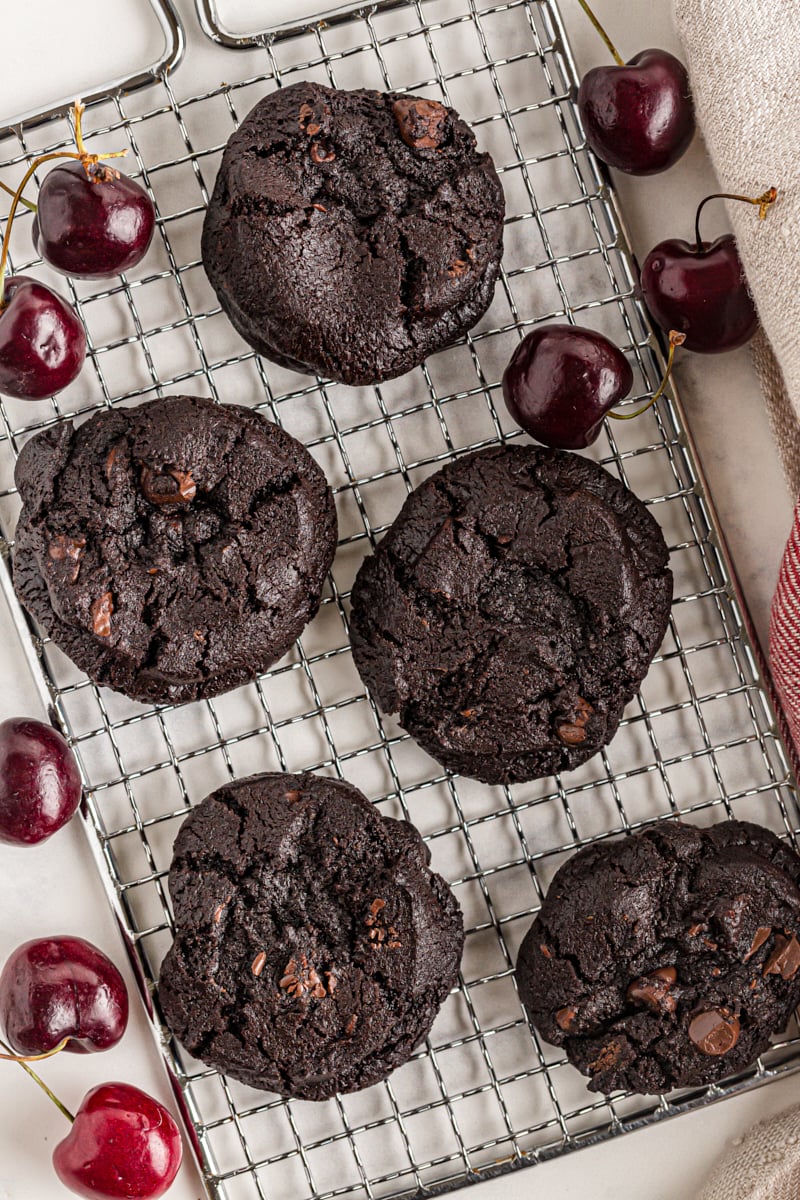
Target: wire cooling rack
[(482, 1094)]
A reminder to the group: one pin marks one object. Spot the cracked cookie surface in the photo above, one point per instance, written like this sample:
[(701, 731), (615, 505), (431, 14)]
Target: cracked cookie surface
[(512, 610), (352, 233), (173, 550), (314, 946), (668, 958)]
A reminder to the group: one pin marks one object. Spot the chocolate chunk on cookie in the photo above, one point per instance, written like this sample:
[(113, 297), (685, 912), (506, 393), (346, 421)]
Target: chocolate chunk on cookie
[(512, 610), (313, 945), (669, 958), (351, 234), (174, 550)]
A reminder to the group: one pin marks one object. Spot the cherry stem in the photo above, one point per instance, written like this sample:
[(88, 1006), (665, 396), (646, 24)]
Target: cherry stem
[(78, 109), (23, 1058), (10, 191), (675, 339), (614, 52), (81, 154), (764, 202), (62, 1107), (89, 160)]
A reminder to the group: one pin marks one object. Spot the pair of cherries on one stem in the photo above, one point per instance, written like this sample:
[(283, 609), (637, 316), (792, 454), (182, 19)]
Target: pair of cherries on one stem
[(91, 223), (62, 993), (562, 380)]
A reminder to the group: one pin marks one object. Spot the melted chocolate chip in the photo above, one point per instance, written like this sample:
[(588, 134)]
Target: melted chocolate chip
[(608, 1057), (761, 935), (423, 124), (311, 117), (70, 551), (171, 486), (655, 990), (565, 1018), (300, 979), (714, 1032), (375, 907), (101, 611), (321, 153), (573, 732), (63, 547), (785, 958)]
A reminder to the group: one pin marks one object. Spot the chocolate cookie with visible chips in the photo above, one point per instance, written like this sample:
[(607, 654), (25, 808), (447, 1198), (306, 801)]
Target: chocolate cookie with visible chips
[(314, 946), (174, 550), (512, 610), (669, 958), (352, 233)]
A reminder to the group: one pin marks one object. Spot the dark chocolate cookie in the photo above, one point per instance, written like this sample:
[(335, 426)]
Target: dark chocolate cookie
[(668, 958), (313, 945), (351, 234), (512, 610), (174, 550)]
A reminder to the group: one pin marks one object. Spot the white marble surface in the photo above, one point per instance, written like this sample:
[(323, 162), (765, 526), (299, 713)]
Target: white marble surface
[(54, 889)]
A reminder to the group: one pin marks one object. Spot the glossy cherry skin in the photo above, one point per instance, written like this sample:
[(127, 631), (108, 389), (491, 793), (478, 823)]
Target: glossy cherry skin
[(40, 787), (560, 383), (702, 293), (92, 227), (123, 1143), (42, 342), (59, 987), (638, 118)]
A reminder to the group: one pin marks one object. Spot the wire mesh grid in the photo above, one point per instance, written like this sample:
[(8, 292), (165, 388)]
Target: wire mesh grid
[(483, 1093)]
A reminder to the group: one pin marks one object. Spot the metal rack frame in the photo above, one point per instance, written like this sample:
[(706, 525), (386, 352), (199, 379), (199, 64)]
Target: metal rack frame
[(483, 1095), (214, 27), (170, 57)]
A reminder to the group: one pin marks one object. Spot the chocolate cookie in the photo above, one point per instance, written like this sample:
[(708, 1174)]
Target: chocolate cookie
[(512, 610), (313, 945), (668, 958), (174, 550), (351, 234)]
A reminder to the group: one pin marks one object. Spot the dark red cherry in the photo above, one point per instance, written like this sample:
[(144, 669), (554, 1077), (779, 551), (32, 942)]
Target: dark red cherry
[(40, 787), (42, 342), (700, 288), (560, 383), (701, 291), (62, 987), (638, 117), (92, 222), (122, 1144)]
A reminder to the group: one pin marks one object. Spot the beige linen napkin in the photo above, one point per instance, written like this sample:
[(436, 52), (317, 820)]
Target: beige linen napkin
[(763, 1165), (743, 58)]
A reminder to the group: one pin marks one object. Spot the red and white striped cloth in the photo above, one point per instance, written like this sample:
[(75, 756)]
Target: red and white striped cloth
[(784, 633)]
